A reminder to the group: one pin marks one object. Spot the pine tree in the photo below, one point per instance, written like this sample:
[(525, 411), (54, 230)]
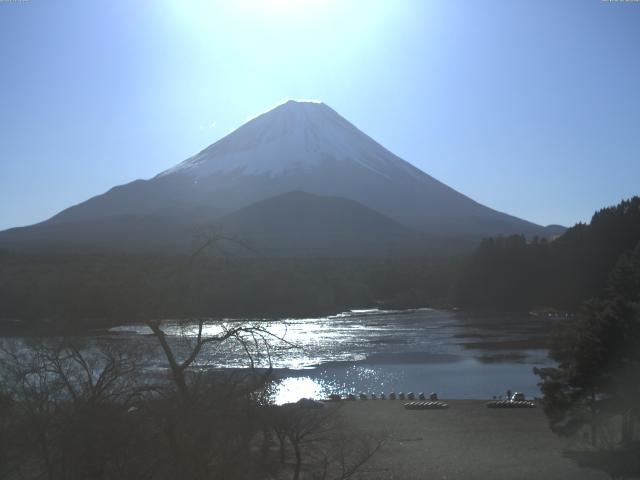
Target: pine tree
[(598, 367)]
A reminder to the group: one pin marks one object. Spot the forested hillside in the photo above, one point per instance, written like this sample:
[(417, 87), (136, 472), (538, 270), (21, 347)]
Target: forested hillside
[(79, 291), (513, 273)]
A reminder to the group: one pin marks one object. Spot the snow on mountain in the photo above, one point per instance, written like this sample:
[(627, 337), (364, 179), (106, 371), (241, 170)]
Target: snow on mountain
[(294, 136)]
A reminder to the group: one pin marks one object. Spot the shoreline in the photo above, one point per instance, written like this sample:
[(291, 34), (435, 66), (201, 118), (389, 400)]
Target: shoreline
[(47, 327)]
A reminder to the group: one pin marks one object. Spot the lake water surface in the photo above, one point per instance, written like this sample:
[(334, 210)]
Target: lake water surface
[(457, 355)]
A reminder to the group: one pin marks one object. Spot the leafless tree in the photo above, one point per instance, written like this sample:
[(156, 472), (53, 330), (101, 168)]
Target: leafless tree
[(70, 406), (319, 442), (215, 419)]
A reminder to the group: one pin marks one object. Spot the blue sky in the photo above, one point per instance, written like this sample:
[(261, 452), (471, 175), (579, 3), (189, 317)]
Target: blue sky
[(530, 107)]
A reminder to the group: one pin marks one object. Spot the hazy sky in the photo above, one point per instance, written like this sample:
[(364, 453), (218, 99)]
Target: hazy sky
[(530, 107)]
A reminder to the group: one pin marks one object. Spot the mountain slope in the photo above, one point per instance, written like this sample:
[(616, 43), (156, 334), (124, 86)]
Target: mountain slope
[(304, 224), (297, 146), (120, 233)]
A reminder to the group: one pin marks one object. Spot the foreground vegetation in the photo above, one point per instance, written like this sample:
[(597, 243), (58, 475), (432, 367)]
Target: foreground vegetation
[(594, 389), (91, 411)]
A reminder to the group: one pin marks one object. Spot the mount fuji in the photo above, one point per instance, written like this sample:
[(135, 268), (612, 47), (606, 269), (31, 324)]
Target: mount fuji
[(296, 169)]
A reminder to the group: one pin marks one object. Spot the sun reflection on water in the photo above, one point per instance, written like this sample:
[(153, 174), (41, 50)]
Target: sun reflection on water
[(292, 389)]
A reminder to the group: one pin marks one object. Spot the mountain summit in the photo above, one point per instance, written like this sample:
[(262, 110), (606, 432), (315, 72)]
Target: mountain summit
[(294, 137), (303, 147)]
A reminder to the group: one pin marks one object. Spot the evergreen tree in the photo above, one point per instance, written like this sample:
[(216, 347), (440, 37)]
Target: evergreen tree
[(598, 367)]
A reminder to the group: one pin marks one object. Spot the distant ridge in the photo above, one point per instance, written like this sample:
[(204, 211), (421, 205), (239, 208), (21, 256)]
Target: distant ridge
[(305, 224)]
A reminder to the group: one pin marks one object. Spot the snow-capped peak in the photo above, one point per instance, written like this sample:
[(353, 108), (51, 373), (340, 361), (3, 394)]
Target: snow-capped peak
[(293, 136)]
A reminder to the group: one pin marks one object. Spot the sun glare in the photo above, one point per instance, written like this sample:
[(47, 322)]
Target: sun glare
[(202, 14), (285, 9)]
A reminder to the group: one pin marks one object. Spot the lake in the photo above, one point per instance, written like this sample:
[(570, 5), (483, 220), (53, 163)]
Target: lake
[(457, 355)]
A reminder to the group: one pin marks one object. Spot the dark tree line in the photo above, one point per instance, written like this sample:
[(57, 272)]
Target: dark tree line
[(78, 291), (517, 274)]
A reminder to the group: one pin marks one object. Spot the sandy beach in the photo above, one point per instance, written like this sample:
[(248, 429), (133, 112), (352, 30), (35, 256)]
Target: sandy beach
[(466, 441)]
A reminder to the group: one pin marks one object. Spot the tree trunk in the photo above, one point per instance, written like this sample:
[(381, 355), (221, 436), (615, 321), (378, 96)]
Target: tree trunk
[(44, 445), (627, 428), (594, 431), (282, 456), (296, 472), (177, 372), (174, 447)]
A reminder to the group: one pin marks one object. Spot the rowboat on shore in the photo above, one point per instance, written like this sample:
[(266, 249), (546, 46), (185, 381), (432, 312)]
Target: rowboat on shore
[(426, 405)]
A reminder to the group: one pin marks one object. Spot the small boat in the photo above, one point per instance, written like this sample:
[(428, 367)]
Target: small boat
[(426, 406), (510, 404)]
